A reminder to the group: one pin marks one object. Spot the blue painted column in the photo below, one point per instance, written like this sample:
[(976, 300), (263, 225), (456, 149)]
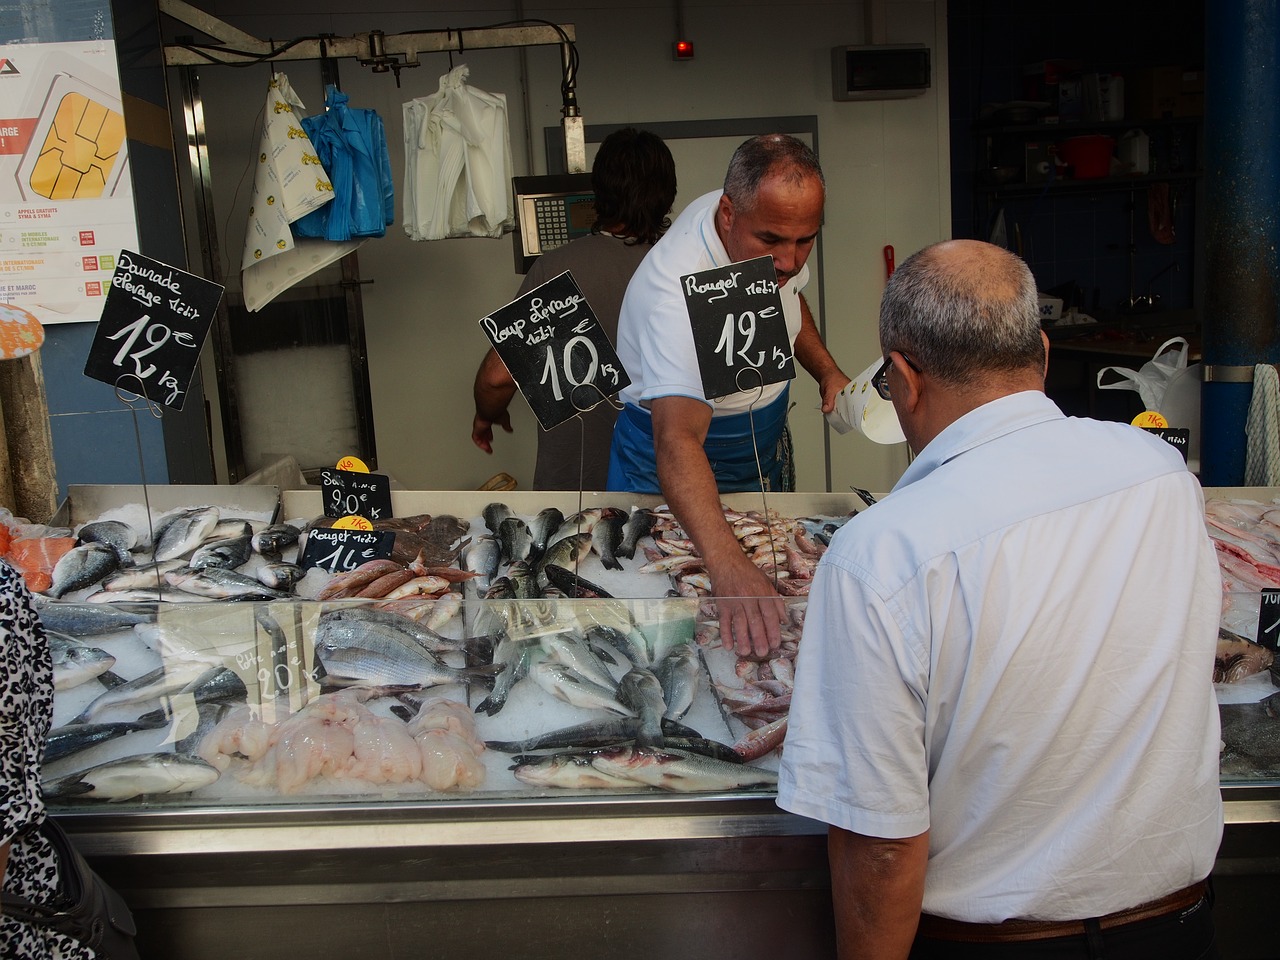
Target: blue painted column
[(1242, 223)]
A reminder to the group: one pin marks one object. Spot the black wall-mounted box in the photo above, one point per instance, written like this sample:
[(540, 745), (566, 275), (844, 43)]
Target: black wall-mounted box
[(879, 72)]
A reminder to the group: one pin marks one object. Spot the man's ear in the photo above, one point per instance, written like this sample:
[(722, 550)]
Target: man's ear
[(1045, 338), (724, 212), (912, 384)]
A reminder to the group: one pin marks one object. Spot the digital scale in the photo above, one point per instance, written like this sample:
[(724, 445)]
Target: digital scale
[(550, 212)]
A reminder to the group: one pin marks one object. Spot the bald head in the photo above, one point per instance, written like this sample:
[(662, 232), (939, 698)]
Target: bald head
[(966, 312)]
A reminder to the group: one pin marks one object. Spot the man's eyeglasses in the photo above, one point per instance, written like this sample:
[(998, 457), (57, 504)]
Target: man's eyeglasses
[(881, 380)]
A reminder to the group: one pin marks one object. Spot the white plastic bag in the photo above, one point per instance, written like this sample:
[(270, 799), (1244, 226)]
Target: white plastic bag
[(1167, 385)]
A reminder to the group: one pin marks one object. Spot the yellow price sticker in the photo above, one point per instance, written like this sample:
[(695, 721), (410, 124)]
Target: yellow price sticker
[(352, 522), (354, 464), (1150, 418)]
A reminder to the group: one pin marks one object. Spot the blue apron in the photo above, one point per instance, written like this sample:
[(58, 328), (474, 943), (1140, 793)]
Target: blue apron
[(632, 465)]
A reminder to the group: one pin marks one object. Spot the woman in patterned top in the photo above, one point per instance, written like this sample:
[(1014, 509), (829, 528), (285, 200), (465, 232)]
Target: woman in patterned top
[(28, 867)]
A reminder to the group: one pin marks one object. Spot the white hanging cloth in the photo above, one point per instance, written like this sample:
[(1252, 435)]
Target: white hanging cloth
[(457, 171), (288, 183)]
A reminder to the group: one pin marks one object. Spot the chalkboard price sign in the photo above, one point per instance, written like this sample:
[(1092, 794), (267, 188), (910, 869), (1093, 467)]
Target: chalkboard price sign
[(556, 350), (1269, 619), (739, 330), (1179, 437), (346, 492), (153, 324), (337, 551)]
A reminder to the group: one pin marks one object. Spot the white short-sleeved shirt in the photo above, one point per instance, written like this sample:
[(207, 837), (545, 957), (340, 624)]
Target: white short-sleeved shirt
[(1014, 651), (655, 341)]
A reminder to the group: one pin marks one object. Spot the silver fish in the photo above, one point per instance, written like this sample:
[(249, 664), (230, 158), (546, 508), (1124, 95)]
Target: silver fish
[(136, 595), (494, 514), (567, 552), (279, 575), (637, 526), (680, 771), (578, 656), (221, 584), (543, 528), (606, 537), (679, 674), (82, 567), (588, 736), (217, 685), (69, 740), (228, 553), (276, 538), (515, 539), (161, 682), (369, 653), (141, 577), (568, 771), (640, 690), (75, 663), (631, 645), (421, 634), (129, 777), (84, 619), (570, 686), (228, 527), (513, 658), (116, 534), (482, 558), (180, 534)]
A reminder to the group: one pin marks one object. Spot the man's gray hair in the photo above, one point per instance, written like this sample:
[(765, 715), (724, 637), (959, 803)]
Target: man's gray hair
[(767, 154), (963, 317)]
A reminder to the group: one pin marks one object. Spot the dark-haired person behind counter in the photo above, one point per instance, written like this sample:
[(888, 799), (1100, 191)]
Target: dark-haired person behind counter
[(1003, 704), (634, 181)]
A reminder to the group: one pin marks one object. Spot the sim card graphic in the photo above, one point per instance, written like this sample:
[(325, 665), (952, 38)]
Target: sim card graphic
[(77, 150)]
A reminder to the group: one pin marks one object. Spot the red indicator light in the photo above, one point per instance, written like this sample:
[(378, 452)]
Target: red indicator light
[(683, 50)]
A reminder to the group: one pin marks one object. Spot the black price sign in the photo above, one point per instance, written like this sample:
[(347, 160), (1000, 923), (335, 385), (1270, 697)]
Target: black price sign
[(348, 493), (1179, 437), (152, 327), (337, 551), (739, 330), (556, 350), (1269, 619)]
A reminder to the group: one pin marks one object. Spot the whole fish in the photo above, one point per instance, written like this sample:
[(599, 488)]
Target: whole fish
[(513, 658), (578, 656), (350, 582), (542, 529), (164, 681), (69, 740), (419, 633), (83, 619), (82, 567), (143, 576), (606, 537), (228, 527), (524, 579), (590, 735), (136, 596), (221, 584), (570, 686), (515, 539), (631, 645), (279, 575), (75, 663), (116, 534), (483, 559), (573, 586), (493, 514), (640, 690), (355, 652), (227, 553), (679, 770), (637, 526), (568, 771), (183, 532), (129, 777), (679, 674), (275, 539), (567, 553)]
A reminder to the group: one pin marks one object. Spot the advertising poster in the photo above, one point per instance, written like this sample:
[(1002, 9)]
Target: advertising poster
[(66, 204)]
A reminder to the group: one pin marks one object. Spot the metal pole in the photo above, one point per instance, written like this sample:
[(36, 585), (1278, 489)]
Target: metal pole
[(1242, 195)]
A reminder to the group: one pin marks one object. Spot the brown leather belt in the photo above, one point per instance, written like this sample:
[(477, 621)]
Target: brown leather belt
[(940, 928)]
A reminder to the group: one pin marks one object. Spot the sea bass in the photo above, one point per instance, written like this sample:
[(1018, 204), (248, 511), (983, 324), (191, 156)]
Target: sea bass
[(220, 584), (369, 653), (75, 663), (74, 737), (679, 770), (228, 553), (129, 777), (637, 526)]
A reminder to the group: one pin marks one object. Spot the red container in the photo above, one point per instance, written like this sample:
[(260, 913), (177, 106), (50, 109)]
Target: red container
[(1089, 156)]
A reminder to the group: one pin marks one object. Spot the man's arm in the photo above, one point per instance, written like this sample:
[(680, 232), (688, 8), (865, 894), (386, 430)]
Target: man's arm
[(814, 357), (679, 429), (493, 390), (877, 886)]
